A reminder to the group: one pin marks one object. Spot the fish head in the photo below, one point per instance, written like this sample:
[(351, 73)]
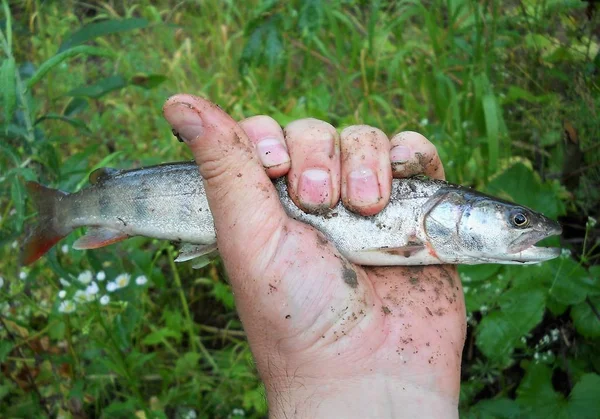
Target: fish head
[(485, 229)]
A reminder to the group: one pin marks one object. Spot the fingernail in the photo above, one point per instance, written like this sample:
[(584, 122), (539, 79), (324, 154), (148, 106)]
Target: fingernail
[(363, 187), (314, 189), (185, 120), (400, 154), (272, 152)]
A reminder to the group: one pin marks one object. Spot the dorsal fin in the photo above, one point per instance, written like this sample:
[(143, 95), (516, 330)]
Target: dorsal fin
[(102, 173)]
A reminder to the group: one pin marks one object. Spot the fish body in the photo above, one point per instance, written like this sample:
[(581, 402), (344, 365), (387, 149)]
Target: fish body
[(426, 221)]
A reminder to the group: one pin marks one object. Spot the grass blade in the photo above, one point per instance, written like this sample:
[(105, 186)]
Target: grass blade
[(107, 27), (8, 28), (491, 114), (100, 88), (9, 96), (62, 56)]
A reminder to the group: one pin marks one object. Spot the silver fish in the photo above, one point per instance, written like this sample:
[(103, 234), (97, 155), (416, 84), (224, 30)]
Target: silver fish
[(426, 222)]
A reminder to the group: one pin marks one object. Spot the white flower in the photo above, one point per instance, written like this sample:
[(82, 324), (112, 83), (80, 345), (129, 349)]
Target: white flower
[(104, 300), (111, 286), (62, 294), (14, 244), (85, 277), (591, 222), (483, 308), (555, 334), (466, 289), (64, 282), (23, 275), (101, 276), (565, 253), (92, 289), (424, 122), (122, 280), (238, 412), (64, 248), (141, 280), (67, 306), (1, 282), (82, 297)]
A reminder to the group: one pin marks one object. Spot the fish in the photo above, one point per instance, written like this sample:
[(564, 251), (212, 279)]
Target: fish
[(426, 222)]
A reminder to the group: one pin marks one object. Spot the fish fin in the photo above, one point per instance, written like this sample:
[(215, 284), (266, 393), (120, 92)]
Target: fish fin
[(102, 173), (96, 237), (191, 251), (45, 234), (411, 254)]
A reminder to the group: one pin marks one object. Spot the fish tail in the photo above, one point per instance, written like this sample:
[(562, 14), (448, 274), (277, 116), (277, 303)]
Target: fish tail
[(46, 233)]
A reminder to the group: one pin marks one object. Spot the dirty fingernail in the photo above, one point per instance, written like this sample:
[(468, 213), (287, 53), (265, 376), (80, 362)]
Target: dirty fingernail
[(185, 120), (314, 189), (400, 154), (272, 152), (363, 187)]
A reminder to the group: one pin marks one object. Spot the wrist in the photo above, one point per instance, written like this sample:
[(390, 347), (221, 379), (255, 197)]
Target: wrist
[(363, 397)]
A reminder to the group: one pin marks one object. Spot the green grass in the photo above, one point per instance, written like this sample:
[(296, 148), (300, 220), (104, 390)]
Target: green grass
[(494, 84)]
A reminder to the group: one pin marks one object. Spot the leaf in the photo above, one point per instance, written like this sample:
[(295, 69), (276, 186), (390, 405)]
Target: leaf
[(5, 348), (520, 184), (492, 121), (273, 49), (75, 123), (106, 27), (158, 336), (222, 292), (536, 396), (18, 199), (521, 309), (571, 284), (310, 17), (100, 88), (501, 408), (583, 400), (75, 106), (586, 319), (60, 57), (187, 363), (9, 86), (148, 81)]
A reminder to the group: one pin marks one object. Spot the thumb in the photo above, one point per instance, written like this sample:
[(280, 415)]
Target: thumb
[(245, 206)]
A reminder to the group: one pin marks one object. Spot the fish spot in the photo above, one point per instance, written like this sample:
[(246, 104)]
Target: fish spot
[(386, 310)]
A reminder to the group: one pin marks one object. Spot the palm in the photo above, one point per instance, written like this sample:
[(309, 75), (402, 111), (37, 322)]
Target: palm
[(400, 320)]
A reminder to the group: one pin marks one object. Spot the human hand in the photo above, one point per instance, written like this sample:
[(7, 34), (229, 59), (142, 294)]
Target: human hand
[(387, 345)]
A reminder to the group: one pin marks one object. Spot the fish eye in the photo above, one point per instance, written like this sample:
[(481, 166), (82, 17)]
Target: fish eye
[(519, 219)]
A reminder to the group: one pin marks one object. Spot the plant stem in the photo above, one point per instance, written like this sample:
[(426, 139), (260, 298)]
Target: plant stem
[(195, 341)]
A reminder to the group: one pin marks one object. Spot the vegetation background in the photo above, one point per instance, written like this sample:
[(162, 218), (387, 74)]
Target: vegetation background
[(507, 90)]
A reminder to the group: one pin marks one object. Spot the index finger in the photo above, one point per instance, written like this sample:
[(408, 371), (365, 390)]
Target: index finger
[(413, 154)]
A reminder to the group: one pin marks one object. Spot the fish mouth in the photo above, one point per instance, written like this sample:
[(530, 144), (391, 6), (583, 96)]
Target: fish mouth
[(524, 251)]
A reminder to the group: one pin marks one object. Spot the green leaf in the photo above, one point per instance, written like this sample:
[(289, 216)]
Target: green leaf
[(9, 89), (492, 126), (148, 81), (18, 199), (187, 363), (501, 408), (5, 348), (107, 27), (586, 319), (8, 27), (519, 183), (222, 292), (521, 309), (75, 106), (584, 401), (100, 88), (75, 123), (160, 335), (571, 284), (59, 58), (536, 396)]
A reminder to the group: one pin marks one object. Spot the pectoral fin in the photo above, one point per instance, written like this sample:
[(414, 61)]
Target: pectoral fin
[(192, 251), (97, 237)]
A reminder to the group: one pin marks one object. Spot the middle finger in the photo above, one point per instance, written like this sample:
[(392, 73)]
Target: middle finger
[(314, 176)]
